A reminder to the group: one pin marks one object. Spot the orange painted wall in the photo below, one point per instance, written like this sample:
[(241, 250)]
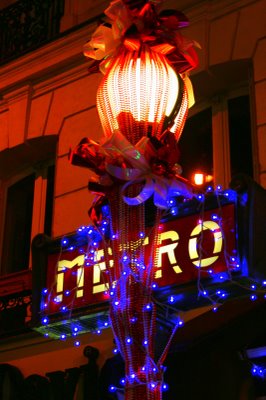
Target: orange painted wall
[(49, 92)]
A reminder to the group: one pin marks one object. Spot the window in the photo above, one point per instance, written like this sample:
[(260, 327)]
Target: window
[(217, 137), (196, 145), (26, 200), (49, 200), (17, 229), (240, 135), (217, 141)]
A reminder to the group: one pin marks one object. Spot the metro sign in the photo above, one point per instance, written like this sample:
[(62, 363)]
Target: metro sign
[(187, 246)]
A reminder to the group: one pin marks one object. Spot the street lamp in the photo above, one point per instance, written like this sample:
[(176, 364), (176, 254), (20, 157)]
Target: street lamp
[(142, 101)]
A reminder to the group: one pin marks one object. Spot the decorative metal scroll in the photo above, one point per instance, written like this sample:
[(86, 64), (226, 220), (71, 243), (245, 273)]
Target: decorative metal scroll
[(15, 313), (28, 24)]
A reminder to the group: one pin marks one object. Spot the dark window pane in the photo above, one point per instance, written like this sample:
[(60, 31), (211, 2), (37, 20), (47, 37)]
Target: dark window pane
[(196, 145), (17, 232), (240, 136), (49, 200)]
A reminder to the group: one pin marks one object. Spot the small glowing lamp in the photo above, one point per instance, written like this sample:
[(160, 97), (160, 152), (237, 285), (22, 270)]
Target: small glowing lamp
[(200, 178)]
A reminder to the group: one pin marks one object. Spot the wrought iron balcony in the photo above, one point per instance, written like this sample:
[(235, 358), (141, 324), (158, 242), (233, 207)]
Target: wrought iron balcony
[(27, 25)]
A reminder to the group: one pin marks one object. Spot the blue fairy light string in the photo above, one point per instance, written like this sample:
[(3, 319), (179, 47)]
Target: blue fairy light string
[(94, 236)]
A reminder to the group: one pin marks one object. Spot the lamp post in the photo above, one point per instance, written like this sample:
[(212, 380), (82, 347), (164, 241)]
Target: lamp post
[(142, 102), (136, 100)]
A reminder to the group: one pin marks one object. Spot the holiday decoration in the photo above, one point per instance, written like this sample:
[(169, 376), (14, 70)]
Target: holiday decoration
[(142, 102)]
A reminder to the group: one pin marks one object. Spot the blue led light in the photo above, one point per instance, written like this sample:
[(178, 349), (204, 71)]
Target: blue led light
[(164, 387), (174, 211), (148, 306), (254, 371), (77, 343), (171, 299), (231, 195)]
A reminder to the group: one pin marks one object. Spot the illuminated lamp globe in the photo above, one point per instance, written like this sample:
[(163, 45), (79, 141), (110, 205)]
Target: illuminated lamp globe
[(140, 95)]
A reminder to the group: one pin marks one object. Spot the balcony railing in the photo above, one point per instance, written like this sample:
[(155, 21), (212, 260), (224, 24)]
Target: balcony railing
[(27, 25)]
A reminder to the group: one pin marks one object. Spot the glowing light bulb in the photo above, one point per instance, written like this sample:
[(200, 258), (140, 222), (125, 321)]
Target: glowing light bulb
[(140, 94), (198, 178)]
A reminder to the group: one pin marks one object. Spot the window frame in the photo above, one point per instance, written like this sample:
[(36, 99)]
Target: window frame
[(40, 170), (221, 134)]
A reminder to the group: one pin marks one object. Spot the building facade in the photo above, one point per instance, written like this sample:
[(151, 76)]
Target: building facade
[(47, 105)]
